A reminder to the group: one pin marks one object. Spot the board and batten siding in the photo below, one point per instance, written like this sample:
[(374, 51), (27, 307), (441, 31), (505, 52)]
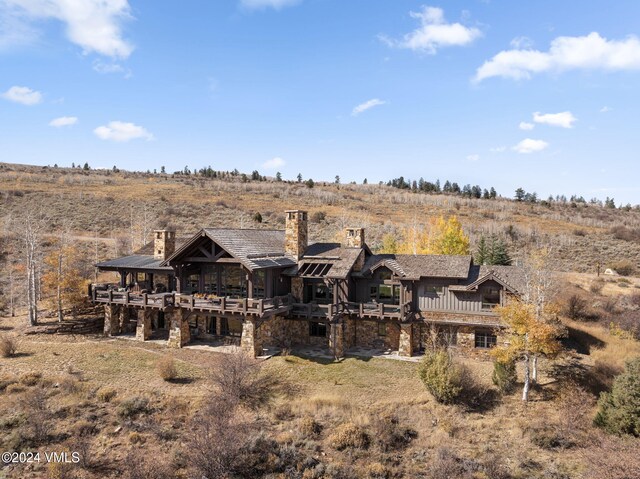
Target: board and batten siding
[(448, 300)]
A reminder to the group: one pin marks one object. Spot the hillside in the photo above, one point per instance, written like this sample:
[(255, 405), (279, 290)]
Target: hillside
[(120, 209)]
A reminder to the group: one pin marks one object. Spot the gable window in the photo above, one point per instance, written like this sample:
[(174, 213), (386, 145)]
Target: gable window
[(318, 330), (485, 340), (490, 299)]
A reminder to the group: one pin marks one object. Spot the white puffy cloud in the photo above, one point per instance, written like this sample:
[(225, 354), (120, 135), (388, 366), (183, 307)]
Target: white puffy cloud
[(590, 52), (362, 107), (64, 121), (530, 146), (121, 132), (94, 25), (434, 33), (23, 94), (474, 157), (274, 163), (526, 126), (563, 119), (275, 4)]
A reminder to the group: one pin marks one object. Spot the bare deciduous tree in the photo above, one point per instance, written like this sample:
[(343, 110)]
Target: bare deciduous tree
[(31, 226)]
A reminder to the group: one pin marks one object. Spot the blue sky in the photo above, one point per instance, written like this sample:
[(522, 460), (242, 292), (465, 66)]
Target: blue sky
[(538, 94)]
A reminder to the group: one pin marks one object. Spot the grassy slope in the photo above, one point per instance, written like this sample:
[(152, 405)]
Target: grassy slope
[(104, 202)]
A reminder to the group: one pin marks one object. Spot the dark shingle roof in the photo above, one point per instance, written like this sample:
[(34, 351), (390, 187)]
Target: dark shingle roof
[(255, 249), (339, 257), (416, 266), (512, 276), (136, 261)]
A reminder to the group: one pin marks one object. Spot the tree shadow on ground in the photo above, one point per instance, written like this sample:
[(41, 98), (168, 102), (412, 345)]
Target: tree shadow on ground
[(581, 342)]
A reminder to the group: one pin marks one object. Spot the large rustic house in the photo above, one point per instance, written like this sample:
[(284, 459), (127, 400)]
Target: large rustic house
[(271, 288)]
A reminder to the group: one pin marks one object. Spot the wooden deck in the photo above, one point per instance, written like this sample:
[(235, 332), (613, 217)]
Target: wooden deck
[(261, 308)]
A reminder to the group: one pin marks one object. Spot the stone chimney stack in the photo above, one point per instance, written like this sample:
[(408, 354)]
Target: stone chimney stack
[(354, 237), (164, 244), (296, 233)]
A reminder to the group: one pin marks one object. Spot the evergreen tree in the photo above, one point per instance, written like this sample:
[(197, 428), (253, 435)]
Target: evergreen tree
[(278, 176), (493, 193), (447, 187), (337, 180), (365, 181), (498, 252), (482, 251), (299, 177), (619, 410), (520, 193), (163, 170)]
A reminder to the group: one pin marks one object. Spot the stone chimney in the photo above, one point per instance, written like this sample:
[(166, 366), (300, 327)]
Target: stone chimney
[(164, 244), (296, 234), (354, 237)]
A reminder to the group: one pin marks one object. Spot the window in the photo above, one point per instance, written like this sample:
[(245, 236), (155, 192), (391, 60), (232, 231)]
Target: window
[(258, 283), (490, 299), (385, 293), (318, 330), (384, 275), (382, 329), (434, 289), (224, 327), (210, 280), (141, 277), (319, 293), (234, 282), (485, 340), (192, 284)]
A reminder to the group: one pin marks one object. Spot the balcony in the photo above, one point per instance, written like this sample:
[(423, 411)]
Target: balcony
[(161, 301), (361, 310)]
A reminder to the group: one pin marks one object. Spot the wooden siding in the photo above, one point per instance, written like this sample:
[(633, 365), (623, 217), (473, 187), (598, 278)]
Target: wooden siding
[(451, 301)]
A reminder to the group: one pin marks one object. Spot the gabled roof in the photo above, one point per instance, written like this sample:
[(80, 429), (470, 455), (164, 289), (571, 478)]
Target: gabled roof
[(254, 249), (415, 267), (510, 277), (340, 258), (136, 261)]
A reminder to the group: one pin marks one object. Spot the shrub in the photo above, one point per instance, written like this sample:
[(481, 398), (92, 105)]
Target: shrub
[(106, 394), (504, 376), (349, 436), (8, 346), (576, 307), (596, 286), (619, 410), (389, 434), (241, 380), (167, 368), (309, 427), (132, 407), (31, 378), (441, 375)]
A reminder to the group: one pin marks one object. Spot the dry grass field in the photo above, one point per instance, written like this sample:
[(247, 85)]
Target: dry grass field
[(356, 418)]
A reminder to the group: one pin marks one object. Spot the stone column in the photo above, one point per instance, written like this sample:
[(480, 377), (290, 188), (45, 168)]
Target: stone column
[(179, 334), (143, 329), (249, 341), (336, 339), (111, 319), (406, 339)]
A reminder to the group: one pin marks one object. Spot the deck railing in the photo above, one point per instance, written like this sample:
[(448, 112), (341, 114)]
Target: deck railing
[(248, 306)]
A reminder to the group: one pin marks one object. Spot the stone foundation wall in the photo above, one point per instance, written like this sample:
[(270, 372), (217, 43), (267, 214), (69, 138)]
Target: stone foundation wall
[(249, 342), (362, 333)]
